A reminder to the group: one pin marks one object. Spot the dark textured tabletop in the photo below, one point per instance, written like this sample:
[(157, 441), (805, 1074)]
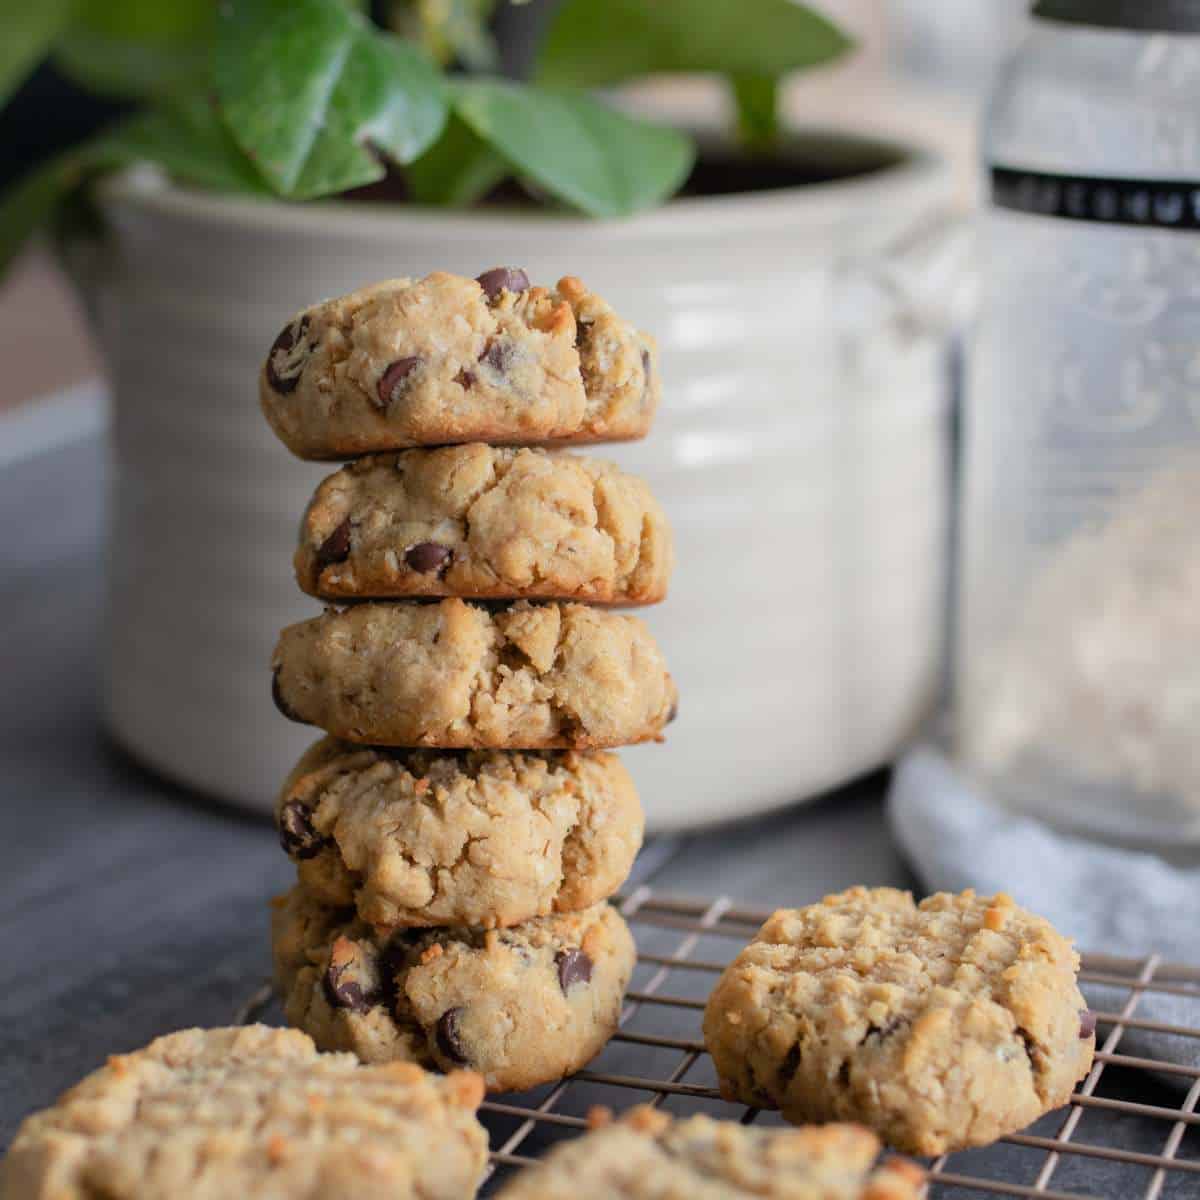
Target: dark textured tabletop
[(130, 907)]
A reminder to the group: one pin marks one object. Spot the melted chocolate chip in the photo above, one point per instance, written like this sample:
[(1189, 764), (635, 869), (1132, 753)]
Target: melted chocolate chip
[(336, 547), (394, 375), (502, 279), (347, 993), (573, 967), (465, 380), (280, 702), (673, 713), (448, 1036), (393, 959), (1087, 1023), (296, 833), (646, 366), (844, 1073), (498, 355), (428, 557), (288, 354), (790, 1065)]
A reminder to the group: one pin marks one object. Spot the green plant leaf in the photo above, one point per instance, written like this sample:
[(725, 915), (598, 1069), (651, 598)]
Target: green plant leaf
[(457, 170), (115, 67), (30, 29), (308, 88), (589, 43), (756, 98), (138, 47), (29, 203), (587, 155), (188, 139)]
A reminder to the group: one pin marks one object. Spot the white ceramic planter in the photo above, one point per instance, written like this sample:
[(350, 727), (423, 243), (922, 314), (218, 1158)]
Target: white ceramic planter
[(800, 452)]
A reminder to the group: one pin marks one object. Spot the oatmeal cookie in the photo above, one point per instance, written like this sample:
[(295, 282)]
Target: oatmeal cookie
[(944, 1024), (447, 359), (521, 1006), (467, 676), (251, 1111), (451, 837)]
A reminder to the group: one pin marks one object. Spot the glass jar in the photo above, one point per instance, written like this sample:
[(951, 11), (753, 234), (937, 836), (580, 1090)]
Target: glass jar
[(1078, 625)]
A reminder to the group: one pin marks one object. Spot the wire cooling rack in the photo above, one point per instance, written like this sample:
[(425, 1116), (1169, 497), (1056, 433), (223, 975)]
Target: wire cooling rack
[(1130, 1131)]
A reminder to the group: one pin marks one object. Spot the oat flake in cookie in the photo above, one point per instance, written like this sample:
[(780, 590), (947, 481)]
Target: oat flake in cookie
[(447, 359), (941, 1025), (647, 1155), (521, 1006), (444, 837), (469, 676), (251, 1112), (485, 522)]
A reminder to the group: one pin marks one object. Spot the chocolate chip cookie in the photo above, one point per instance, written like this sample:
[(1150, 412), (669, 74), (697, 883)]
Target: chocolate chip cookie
[(944, 1024), (255, 1112), (488, 523), (446, 359), (521, 1006), (469, 676), (647, 1155), (452, 837)]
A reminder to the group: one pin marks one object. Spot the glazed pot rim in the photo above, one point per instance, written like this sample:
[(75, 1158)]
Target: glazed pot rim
[(911, 169)]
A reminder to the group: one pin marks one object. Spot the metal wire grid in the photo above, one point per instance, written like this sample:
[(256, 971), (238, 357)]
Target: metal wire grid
[(1110, 1146), (1030, 1164)]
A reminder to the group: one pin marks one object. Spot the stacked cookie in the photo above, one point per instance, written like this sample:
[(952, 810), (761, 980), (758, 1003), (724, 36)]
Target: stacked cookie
[(459, 831)]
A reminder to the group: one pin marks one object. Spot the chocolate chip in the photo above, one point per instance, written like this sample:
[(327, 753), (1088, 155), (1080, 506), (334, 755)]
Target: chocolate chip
[(393, 376), (347, 993), (428, 557), (465, 380), (296, 833), (498, 355), (288, 354), (646, 366), (885, 1030), (336, 547), (1087, 1023), (502, 279), (790, 1065), (673, 713), (448, 1036), (844, 1073), (573, 967), (280, 702)]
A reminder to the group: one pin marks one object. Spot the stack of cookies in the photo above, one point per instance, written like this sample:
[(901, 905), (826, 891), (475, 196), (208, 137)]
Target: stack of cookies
[(459, 831)]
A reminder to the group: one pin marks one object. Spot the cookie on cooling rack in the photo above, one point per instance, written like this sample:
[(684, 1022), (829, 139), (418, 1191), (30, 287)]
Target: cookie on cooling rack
[(251, 1111), (941, 1025), (522, 1006), (647, 1155)]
